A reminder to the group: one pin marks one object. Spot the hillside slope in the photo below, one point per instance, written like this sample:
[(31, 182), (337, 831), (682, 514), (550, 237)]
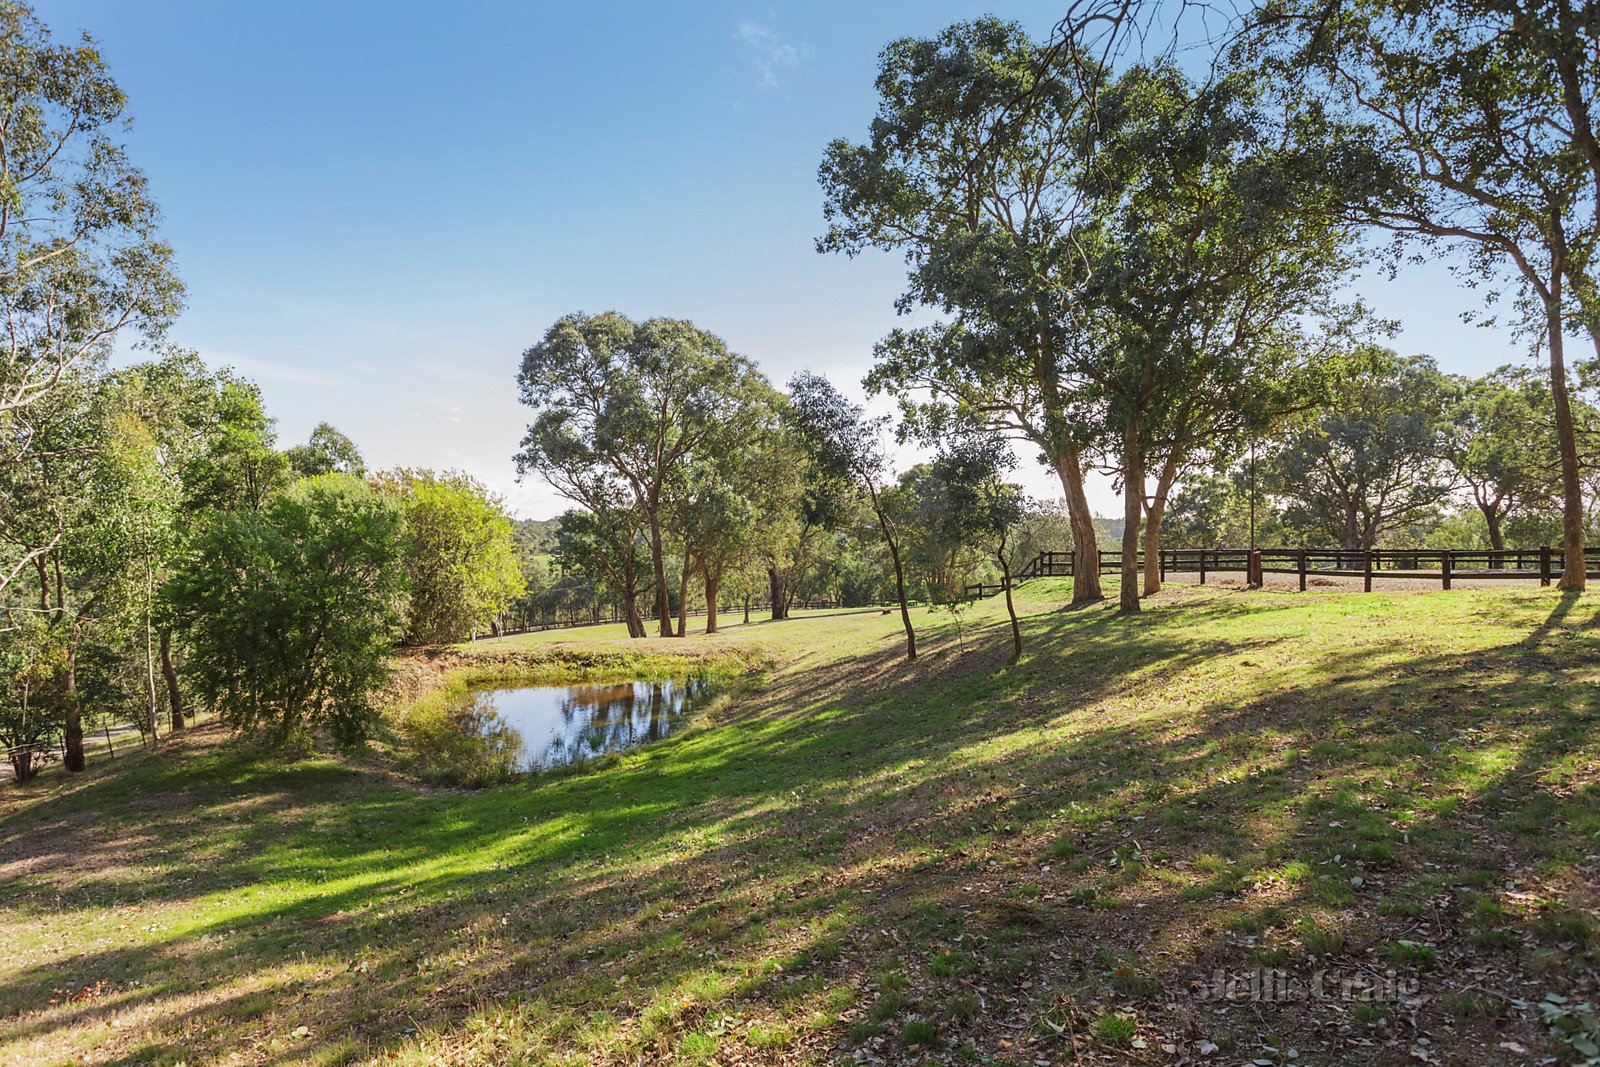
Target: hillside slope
[(856, 858)]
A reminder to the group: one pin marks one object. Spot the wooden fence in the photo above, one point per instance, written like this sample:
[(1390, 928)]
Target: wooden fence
[(1543, 565)]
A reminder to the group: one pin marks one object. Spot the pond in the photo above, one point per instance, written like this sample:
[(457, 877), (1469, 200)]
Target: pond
[(551, 726)]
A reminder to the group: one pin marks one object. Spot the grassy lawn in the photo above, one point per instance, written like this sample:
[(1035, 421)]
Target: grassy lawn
[(852, 858)]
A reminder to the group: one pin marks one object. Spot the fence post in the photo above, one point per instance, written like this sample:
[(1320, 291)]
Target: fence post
[(1445, 569), (1544, 565), (1202, 566), (1161, 556), (1252, 576), (1367, 570), (1301, 563)]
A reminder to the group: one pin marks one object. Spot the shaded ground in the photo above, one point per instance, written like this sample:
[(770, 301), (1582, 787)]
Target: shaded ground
[(955, 860)]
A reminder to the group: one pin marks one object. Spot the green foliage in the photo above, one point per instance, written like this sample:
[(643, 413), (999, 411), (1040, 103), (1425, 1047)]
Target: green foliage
[(622, 408), (1372, 463), (1475, 122), (291, 612), (1501, 443), (463, 742), (32, 657), (535, 537), (327, 452), (1577, 1025), (79, 255), (461, 564), (995, 244), (847, 446)]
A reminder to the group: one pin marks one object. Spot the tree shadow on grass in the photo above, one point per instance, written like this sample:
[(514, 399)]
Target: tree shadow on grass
[(827, 836)]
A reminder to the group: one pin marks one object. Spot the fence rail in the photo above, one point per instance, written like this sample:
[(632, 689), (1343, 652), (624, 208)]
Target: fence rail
[(1543, 565)]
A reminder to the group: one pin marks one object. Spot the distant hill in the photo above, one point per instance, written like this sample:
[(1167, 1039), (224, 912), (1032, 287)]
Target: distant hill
[(535, 537)]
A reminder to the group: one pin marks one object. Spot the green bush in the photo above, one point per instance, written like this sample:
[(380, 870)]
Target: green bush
[(291, 612), (461, 741)]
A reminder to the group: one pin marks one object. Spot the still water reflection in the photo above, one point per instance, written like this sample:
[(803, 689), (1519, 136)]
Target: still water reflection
[(558, 725)]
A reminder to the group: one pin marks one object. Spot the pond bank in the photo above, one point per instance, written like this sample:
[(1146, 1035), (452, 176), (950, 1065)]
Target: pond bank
[(441, 727), (424, 671)]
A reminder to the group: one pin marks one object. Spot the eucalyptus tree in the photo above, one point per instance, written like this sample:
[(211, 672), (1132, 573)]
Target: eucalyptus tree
[(1481, 116), (722, 492), (31, 713), (123, 471), (937, 557), (46, 515), (983, 510), (186, 442), (805, 507), (848, 445), (237, 464), (1374, 460), (1212, 306), (80, 259), (604, 540), (1500, 440), (634, 400), (326, 451), (717, 512), (984, 197)]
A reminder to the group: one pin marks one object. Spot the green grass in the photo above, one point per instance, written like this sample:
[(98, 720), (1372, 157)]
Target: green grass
[(850, 847)]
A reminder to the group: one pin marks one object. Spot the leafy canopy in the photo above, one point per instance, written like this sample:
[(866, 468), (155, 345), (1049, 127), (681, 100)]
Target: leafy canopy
[(291, 612)]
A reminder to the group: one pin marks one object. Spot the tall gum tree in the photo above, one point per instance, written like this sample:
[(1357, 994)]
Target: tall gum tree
[(729, 491), (635, 398), (1482, 114), (1371, 462), (80, 257), (983, 198), (847, 444), (1211, 309)]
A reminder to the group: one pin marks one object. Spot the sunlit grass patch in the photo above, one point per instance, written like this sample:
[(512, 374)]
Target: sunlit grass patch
[(857, 845)]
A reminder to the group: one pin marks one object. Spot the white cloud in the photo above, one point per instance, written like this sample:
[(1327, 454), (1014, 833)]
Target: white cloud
[(770, 54), (262, 368)]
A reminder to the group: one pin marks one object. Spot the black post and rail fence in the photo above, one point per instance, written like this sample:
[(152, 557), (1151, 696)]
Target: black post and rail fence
[(1445, 566)]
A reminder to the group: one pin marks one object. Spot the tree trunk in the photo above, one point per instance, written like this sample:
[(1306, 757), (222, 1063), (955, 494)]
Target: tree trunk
[(713, 579), (1352, 529), (683, 598), (780, 595), (630, 600), (151, 717), (1573, 568), (747, 609), (1152, 525), (1497, 539), (900, 591), (74, 760), (899, 573), (1011, 610), (1132, 513), (1085, 542), (170, 673), (658, 560)]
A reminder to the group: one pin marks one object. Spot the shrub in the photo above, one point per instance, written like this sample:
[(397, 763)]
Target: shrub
[(460, 742), (291, 612)]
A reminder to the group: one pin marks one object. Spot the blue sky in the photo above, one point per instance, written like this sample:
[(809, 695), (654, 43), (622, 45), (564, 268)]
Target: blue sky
[(378, 206)]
